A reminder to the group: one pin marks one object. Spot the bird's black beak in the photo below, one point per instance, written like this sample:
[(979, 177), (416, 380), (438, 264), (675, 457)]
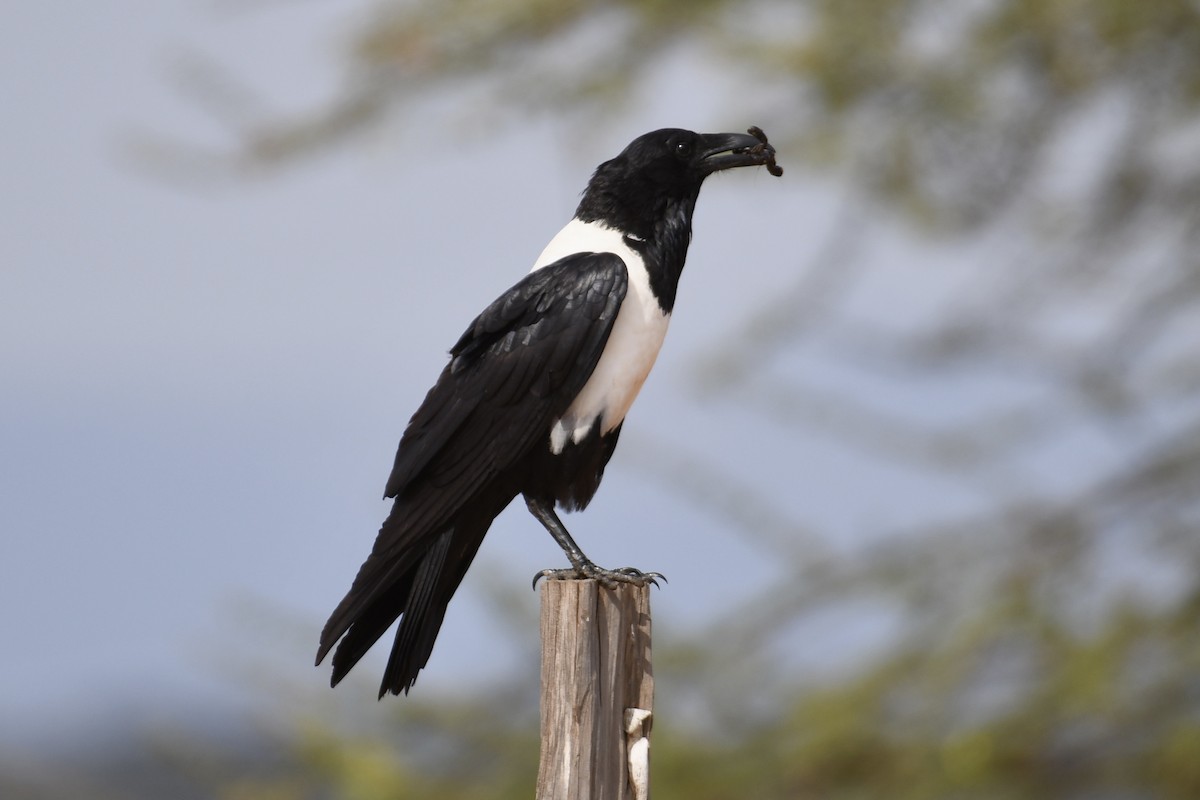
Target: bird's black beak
[(729, 150)]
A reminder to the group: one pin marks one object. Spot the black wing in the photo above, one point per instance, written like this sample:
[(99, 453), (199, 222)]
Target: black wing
[(515, 370), (516, 367)]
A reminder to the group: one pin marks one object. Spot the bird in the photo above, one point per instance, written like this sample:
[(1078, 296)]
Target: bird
[(533, 397)]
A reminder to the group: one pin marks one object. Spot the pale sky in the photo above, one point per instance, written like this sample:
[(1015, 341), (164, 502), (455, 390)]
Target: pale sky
[(203, 386)]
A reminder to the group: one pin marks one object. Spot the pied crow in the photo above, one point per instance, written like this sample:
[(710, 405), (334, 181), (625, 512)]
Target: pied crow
[(534, 395)]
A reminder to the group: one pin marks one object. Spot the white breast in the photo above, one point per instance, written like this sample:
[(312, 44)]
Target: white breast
[(632, 347)]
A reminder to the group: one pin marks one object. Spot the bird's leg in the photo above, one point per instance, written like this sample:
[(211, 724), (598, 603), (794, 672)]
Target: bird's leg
[(581, 565)]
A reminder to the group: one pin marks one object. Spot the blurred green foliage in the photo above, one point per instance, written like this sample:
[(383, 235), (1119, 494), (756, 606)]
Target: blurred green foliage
[(1012, 702)]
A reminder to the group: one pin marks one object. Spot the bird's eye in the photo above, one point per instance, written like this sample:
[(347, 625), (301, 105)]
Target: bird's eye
[(683, 149)]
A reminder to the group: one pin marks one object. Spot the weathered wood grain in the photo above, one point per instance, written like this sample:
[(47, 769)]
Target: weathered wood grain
[(595, 667)]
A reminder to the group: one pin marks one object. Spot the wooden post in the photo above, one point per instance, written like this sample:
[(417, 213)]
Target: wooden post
[(597, 692)]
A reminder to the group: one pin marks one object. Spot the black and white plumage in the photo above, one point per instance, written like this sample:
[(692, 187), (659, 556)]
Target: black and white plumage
[(534, 395)]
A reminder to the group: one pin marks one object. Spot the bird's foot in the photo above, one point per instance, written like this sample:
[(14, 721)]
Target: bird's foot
[(609, 578)]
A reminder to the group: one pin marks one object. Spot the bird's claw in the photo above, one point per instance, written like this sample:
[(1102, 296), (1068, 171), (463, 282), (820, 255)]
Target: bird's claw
[(631, 575), (553, 575), (609, 578)]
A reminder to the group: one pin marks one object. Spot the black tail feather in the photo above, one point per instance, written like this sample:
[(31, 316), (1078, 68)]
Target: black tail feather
[(379, 590), (418, 593), (424, 609), (367, 629)]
